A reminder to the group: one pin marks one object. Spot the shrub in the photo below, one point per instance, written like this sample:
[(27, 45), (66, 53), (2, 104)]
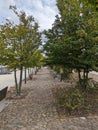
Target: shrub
[(72, 100)]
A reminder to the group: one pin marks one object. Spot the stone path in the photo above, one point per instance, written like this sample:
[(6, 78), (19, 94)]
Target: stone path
[(37, 110)]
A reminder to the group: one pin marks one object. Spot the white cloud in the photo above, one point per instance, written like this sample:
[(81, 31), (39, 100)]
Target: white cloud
[(11, 2), (44, 11)]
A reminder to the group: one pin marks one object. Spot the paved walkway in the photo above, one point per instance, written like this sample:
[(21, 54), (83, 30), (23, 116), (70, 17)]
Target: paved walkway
[(37, 110)]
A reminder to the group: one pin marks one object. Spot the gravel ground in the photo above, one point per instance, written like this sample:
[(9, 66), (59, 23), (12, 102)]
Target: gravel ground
[(37, 110)]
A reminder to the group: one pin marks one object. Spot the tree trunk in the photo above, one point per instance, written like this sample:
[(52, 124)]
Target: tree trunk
[(28, 71), (84, 74), (87, 74), (61, 79), (79, 75), (85, 79), (16, 84), (36, 70), (20, 82), (25, 75)]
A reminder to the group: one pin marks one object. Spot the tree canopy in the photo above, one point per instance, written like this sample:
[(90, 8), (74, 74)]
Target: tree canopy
[(73, 41), (19, 43)]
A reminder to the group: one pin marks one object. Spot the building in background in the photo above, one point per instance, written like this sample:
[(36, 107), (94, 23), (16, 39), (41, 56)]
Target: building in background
[(4, 70)]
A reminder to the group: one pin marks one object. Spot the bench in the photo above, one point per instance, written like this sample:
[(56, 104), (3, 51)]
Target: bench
[(3, 93)]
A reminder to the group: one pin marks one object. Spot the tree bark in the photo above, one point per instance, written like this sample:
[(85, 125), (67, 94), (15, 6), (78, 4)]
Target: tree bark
[(20, 81), (79, 75), (25, 75), (16, 84)]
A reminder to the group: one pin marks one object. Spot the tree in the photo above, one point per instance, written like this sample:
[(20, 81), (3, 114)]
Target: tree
[(20, 42), (71, 41)]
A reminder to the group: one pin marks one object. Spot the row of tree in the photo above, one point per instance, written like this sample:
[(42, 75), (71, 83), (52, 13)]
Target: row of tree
[(72, 43), (19, 45)]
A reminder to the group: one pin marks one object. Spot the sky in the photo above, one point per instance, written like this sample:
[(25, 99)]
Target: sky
[(44, 11)]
